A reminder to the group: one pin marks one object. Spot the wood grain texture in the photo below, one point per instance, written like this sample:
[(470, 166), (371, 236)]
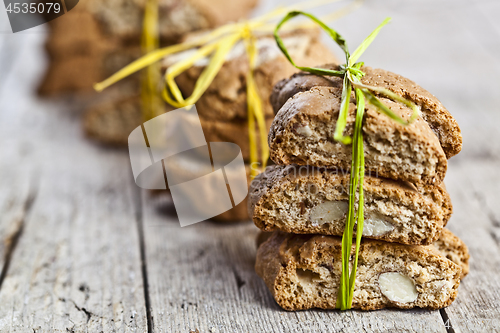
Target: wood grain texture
[(475, 221), (473, 180), (76, 266), (15, 188), (69, 210), (203, 277), (15, 202)]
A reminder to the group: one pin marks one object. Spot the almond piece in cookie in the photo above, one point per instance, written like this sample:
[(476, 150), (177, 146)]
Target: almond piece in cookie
[(307, 200), (303, 129), (303, 272)]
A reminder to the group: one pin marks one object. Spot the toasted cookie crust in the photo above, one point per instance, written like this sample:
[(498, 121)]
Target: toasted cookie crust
[(225, 99), (302, 133), (122, 19), (286, 198), (454, 249), (112, 122), (235, 131), (303, 272), (448, 245), (433, 112), (114, 27)]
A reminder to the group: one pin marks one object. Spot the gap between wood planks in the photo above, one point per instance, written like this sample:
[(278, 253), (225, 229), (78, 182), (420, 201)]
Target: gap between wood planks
[(142, 244), (13, 239), (446, 321)]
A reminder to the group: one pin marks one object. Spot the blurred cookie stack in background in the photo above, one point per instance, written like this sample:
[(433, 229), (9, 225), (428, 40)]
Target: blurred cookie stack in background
[(223, 106), (115, 31), (406, 258), (111, 39)]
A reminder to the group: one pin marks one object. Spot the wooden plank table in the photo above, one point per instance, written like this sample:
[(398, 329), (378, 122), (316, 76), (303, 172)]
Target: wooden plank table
[(82, 249)]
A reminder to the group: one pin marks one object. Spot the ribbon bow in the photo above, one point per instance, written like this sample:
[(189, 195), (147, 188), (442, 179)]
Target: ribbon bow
[(173, 96), (216, 44), (351, 73)]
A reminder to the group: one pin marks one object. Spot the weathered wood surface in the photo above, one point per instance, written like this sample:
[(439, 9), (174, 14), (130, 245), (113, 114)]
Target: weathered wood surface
[(73, 226), (76, 265), (202, 277), (214, 287), (14, 199)]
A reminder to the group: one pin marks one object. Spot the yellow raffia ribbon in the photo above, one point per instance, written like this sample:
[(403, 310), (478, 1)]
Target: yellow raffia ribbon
[(219, 50), (254, 107), (218, 43), (151, 78)]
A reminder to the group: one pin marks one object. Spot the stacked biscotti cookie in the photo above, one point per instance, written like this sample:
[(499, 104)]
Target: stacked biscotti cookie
[(407, 259), (222, 109)]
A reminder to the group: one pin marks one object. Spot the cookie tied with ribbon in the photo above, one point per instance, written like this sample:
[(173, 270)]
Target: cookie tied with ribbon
[(349, 118), (214, 47)]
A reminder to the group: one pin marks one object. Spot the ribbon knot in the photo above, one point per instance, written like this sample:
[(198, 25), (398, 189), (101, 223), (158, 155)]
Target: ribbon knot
[(355, 71), (245, 30)]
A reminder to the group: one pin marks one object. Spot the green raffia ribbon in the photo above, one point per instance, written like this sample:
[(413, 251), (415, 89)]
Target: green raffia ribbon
[(351, 74)]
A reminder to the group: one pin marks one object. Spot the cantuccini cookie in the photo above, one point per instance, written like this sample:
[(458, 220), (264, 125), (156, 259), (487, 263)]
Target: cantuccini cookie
[(235, 131), (449, 245), (64, 41), (226, 99), (124, 18), (454, 249), (303, 272), (303, 129), (191, 168), (433, 112), (111, 122), (386, 182), (307, 200), (78, 73), (113, 28)]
